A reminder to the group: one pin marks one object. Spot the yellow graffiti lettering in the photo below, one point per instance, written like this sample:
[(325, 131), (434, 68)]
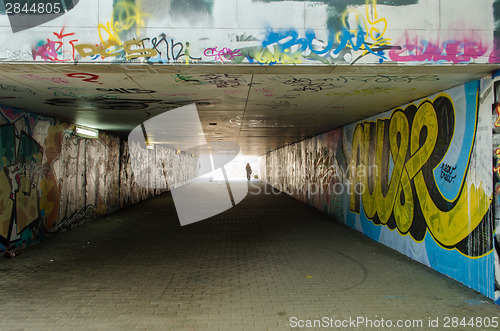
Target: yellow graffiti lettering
[(85, 50), (102, 50), (266, 56), (425, 117), (373, 20), (6, 204), (410, 149), (26, 204), (139, 52), (400, 126), (114, 45), (399, 142), (127, 15), (369, 206), (374, 26), (112, 48), (111, 35), (404, 205), (450, 227)]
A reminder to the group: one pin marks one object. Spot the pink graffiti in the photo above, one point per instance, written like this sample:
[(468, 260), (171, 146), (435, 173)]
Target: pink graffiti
[(56, 80), (12, 114), (223, 54), (454, 51), (47, 51), (267, 91), (495, 54), (91, 78), (52, 50)]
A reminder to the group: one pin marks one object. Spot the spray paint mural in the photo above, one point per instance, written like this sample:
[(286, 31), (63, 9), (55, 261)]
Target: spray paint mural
[(496, 180), (414, 179), (310, 32), (52, 180)]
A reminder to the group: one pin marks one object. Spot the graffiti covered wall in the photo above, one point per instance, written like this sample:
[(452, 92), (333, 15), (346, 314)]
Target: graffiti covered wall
[(52, 180), (247, 31), (416, 178), (496, 180)]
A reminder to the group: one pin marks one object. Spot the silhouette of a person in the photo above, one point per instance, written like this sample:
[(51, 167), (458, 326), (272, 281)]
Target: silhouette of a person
[(249, 171)]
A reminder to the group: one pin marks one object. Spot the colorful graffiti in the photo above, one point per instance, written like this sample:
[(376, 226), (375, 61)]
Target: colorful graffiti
[(224, 54), (416, 139), (56, 80), (169, 50), (153, 50), (131, 48), (22, 172), (414, 179), (496, 178), (460, 50), (53, 50), (359, 35), (51, 180), (356, 31), (86, 77)]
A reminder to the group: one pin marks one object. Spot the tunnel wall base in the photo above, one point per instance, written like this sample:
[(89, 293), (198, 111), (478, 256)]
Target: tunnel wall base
[(416, 178), (52, 180)]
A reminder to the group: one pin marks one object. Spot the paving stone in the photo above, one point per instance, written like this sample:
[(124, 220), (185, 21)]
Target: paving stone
[(254, 267)]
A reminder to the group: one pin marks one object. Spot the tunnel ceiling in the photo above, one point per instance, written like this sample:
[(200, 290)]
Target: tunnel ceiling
[(260, 108)]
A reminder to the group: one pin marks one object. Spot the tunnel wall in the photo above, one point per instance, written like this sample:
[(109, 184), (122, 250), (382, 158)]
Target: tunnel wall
[(416, 178), (249, 32), (53, 180), (496, 179)]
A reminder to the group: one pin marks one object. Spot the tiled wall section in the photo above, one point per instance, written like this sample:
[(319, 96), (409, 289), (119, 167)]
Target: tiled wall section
[(52, 180), (416, 178)]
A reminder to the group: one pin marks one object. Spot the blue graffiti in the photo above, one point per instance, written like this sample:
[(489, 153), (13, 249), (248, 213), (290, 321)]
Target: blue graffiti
[(337, 42)]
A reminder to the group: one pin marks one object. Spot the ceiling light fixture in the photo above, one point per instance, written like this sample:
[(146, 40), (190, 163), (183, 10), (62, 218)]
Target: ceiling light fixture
[(86, 132)]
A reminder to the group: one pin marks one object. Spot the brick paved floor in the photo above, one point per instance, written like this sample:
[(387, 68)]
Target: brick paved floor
[(255, 267)]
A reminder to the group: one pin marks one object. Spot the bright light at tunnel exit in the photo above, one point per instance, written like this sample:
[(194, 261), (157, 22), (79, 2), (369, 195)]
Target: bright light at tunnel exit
[(235, 169)]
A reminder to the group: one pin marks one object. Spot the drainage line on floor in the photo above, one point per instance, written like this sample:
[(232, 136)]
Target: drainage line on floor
[(228, 186)]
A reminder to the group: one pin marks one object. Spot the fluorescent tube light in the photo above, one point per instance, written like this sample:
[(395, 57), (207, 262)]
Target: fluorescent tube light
[(86, 132)]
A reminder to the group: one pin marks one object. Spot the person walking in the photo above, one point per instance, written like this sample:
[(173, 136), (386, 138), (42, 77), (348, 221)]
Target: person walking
[(249, 171)]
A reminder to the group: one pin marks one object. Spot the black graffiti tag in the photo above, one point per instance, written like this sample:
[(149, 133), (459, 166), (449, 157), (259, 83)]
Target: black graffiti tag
[(447, 172)]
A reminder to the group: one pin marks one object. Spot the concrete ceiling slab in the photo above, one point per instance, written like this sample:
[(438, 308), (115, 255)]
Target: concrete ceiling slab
[(259, 107)]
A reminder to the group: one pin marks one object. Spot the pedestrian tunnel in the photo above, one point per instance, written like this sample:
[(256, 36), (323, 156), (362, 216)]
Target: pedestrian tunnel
[(411, 173), (371, 129)]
